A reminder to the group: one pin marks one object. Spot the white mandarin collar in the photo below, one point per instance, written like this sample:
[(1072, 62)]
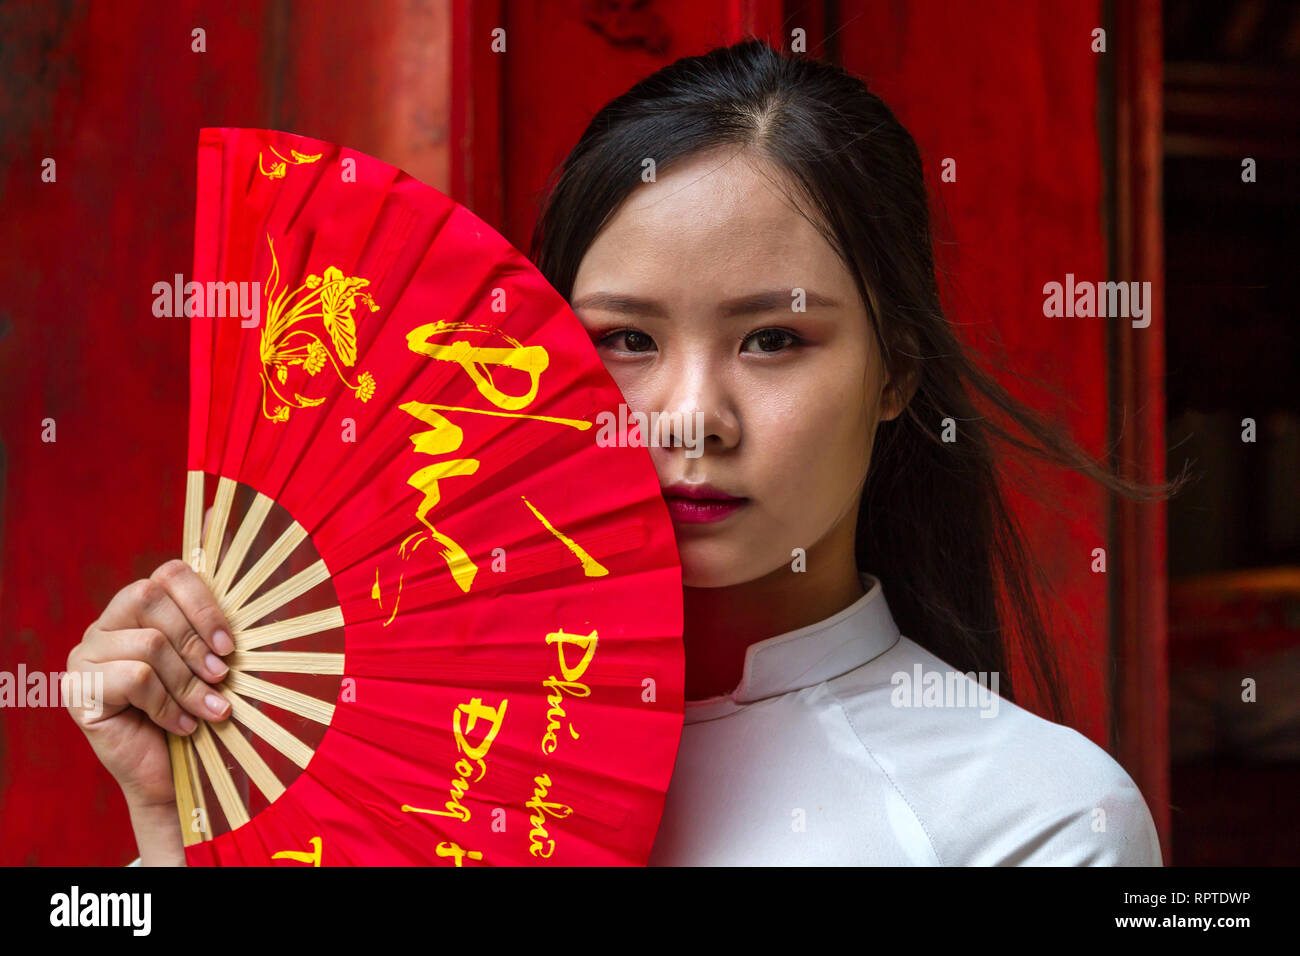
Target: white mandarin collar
[(808, 655)]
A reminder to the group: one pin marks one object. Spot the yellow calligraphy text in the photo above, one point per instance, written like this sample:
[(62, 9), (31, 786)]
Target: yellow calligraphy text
[(539, 841), (590, 566), (474, 755), (567, 683), (445, 437), (454, 851), (312, 858), (531, 360)]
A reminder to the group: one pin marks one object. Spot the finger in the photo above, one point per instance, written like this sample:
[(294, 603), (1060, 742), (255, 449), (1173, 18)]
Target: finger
[(134, 683), (155, 649), (83, 707), (196, 601), (147, 603)]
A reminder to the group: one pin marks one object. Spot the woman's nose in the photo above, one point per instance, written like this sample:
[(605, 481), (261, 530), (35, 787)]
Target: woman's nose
[(697, 410)]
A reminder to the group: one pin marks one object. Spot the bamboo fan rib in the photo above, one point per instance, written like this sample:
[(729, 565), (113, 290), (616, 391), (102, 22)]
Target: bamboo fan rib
[(286, 662), (185, 805), (301, 626), (227, 795), (217, 526), (279, 596), (188, 796), (198, 754), (243, 540), (291, 700), (264, 567), (196, 786), (263, 777), (193, 515), (266, 728)]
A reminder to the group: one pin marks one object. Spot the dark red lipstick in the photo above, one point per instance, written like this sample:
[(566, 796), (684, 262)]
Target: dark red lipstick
[(696, 503)]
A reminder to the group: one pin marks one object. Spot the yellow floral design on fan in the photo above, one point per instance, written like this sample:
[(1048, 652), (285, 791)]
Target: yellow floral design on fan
[(291, 337), (280, 170)]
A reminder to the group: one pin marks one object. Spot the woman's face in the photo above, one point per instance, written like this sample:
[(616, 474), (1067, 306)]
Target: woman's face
[(690, 294)]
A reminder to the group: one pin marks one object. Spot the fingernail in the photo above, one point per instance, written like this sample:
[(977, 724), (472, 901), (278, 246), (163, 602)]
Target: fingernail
[(222, 642), (215, 664), (187, 723), (215, 704)]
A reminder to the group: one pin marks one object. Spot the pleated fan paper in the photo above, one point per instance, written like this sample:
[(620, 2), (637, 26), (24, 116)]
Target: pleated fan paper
[(497, 590)]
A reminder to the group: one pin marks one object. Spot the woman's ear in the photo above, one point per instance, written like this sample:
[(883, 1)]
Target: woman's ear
[(898, 391)]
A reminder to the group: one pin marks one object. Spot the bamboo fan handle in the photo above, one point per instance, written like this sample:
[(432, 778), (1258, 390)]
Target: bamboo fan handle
[(189, 795), (188, 761)]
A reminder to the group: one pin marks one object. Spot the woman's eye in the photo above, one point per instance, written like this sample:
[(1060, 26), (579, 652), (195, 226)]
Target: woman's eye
[(769, 340), (632, 340)]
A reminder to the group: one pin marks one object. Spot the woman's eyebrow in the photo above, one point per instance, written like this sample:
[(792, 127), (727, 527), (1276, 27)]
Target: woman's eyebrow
[(772, 300), (623, 304), (769, 300)]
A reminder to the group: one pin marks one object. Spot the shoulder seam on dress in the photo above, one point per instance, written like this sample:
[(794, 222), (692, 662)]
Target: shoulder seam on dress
[(870, 753)]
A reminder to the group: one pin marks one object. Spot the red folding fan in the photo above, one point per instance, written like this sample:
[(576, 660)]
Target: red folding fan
[(462, 644)]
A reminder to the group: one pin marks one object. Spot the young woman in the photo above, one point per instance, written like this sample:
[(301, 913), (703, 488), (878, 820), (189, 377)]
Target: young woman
[(746, 238)]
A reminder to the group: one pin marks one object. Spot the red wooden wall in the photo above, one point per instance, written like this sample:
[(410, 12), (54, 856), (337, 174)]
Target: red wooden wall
[(114, 93), (116, 96)]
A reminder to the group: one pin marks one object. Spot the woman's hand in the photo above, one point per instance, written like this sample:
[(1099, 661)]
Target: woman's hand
[(157, 645)]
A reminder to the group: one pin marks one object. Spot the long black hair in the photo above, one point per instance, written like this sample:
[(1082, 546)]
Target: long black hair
[(934, 522)]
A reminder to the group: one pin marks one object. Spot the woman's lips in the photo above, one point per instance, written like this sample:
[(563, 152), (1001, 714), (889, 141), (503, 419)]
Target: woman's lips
[(700, 504), (702, 511)]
